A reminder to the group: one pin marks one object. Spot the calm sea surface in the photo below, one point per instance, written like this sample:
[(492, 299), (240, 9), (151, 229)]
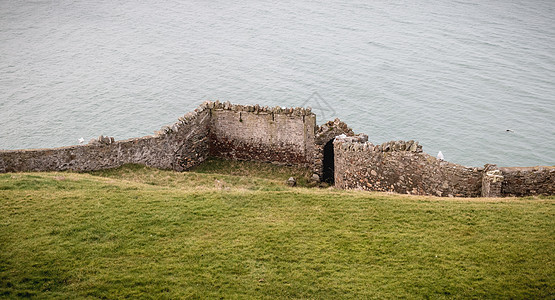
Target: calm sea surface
[(454, 75)]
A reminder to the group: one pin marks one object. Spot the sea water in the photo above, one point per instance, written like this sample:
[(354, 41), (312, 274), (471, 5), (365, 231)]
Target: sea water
[(473, 79)]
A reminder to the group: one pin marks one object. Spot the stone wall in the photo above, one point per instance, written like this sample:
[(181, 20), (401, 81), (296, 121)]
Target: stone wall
[(179, 146), (492, 179), (289, 136), (278, 135), (527, 181), (324, 134), (401, 167)]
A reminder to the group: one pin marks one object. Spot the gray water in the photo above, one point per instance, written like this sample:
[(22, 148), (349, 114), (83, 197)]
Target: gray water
[(454, 75)]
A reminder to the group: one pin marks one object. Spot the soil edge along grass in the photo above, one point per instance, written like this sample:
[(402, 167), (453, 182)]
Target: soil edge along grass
[(235, 230)]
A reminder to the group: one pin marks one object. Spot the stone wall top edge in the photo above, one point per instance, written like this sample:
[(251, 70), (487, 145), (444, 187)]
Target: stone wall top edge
[(361, 143), (182, 121), (256, 108), (351, 144), (526, 169), (72, 147), (105, 140), (43, 149), (426, 156)]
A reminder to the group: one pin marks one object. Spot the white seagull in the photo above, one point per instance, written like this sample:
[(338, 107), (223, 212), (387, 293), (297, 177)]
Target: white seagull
[(81, 140), (440, 156)]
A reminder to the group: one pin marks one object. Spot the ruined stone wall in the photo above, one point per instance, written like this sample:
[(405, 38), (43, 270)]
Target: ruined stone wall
[(279, 135), (288, 136), (401, 167), (492, 179), (324, 134), (179, 146), (527, 181), (262, 134)]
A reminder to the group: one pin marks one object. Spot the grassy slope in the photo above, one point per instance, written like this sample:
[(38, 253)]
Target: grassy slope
[(234, 230)]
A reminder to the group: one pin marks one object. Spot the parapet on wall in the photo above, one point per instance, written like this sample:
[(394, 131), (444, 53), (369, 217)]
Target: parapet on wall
[(177, 147), (278, 135)]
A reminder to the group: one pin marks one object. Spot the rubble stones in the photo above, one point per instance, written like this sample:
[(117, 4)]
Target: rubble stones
[(315, 178), (291, 181), (102, 140)]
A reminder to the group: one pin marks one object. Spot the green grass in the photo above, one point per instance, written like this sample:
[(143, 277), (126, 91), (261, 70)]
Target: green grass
[(235, 230)]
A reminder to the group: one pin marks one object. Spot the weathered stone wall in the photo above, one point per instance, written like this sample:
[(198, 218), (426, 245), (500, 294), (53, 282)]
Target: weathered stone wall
[(289, 136), (179, 146), (262, 134), (401, 167), (279, 135), (527, 181), (492, 179), (324, 134)]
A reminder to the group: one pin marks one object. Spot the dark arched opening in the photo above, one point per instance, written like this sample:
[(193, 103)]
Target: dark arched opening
[(328, 163)]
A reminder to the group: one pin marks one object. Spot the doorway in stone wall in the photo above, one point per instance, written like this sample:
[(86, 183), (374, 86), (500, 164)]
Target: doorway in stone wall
[(328, 163)]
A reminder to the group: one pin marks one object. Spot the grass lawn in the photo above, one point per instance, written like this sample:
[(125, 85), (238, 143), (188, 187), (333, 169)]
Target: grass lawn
[(235, 230)]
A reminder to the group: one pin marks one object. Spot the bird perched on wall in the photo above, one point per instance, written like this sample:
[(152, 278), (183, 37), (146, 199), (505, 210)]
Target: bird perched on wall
[(440, 156), (81, 140)]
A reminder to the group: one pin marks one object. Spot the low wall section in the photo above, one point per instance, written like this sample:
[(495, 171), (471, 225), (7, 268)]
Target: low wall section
[(401, 167), (177, 147), (528, 181), (262, 134)]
